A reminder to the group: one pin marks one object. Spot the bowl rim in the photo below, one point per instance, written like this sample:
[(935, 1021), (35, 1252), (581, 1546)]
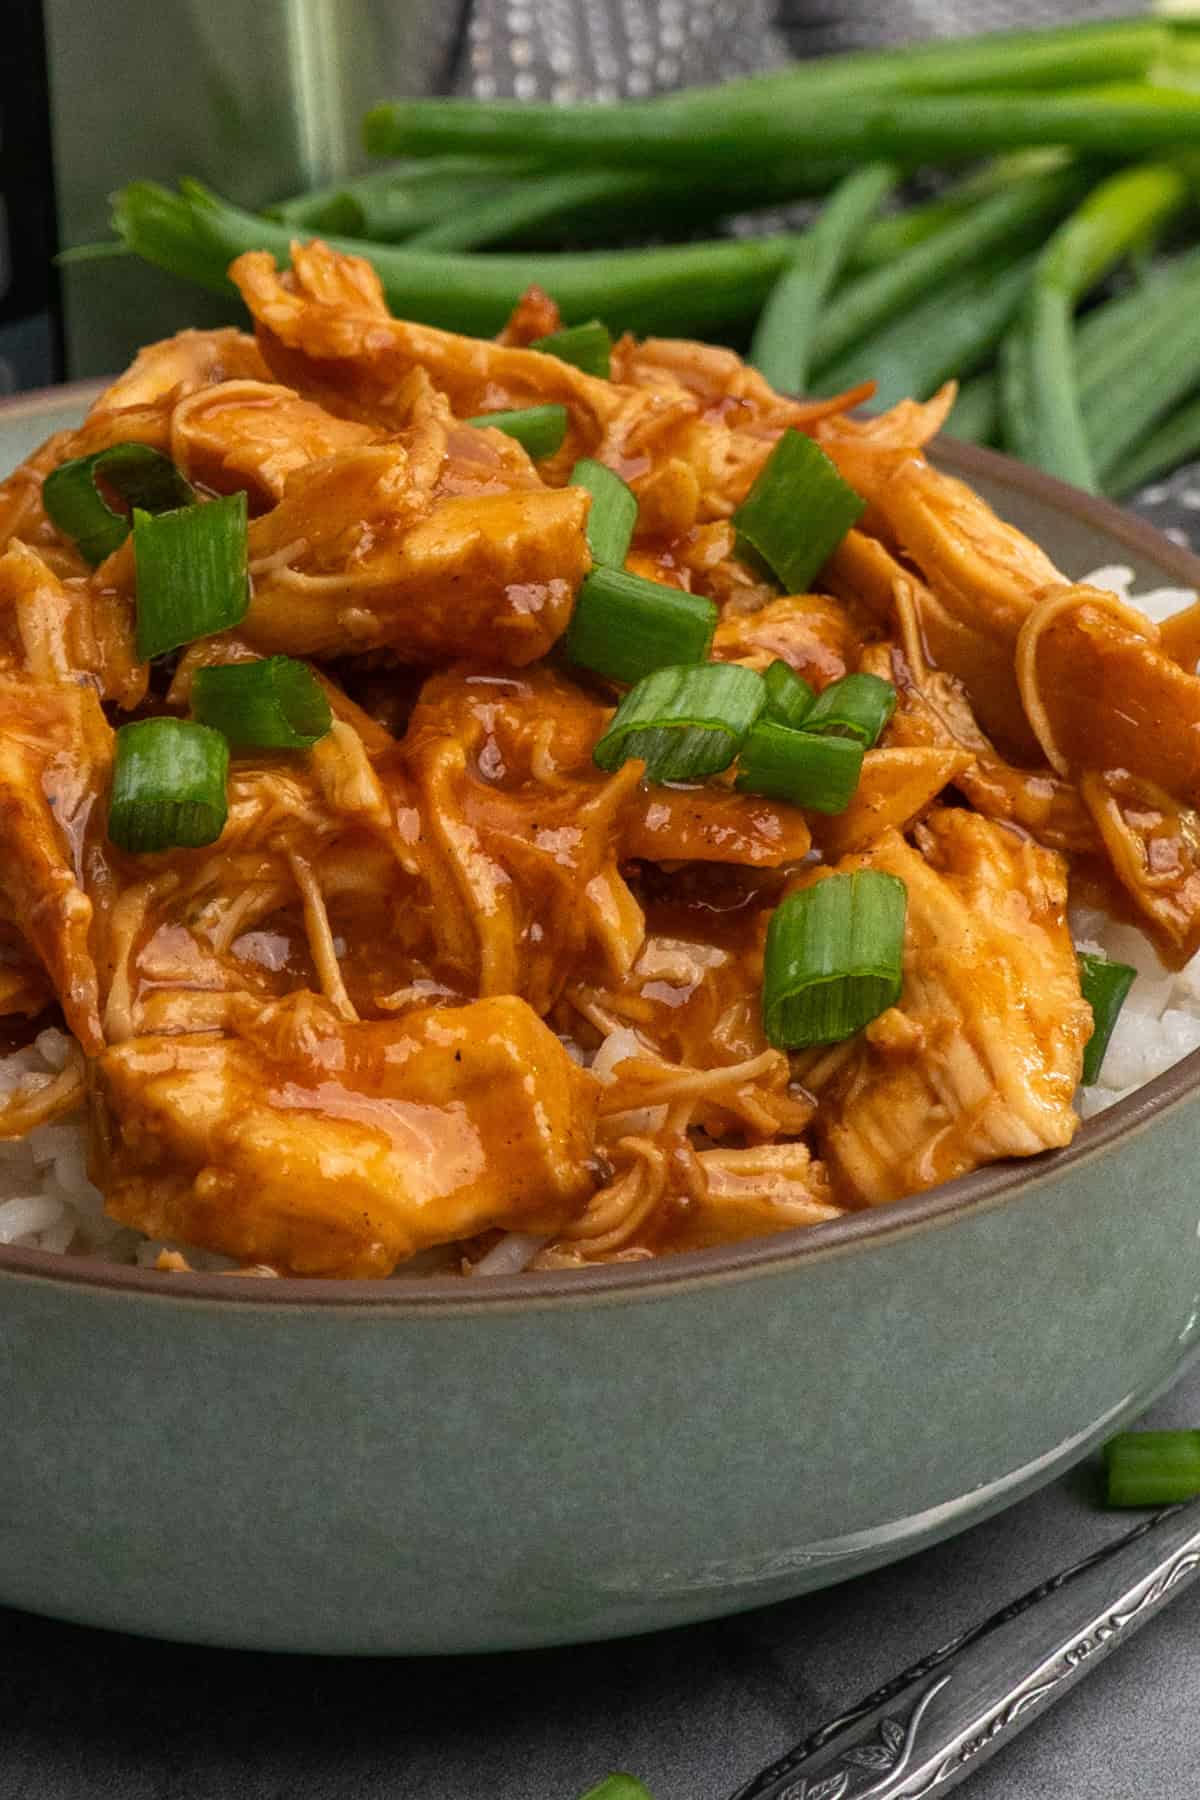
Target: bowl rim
[(857, 1232)]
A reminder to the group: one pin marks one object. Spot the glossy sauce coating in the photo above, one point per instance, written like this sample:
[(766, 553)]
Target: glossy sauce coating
[(442, 979)]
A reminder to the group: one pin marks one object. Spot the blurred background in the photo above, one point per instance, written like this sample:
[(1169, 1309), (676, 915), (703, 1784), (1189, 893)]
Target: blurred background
[(265, 100)]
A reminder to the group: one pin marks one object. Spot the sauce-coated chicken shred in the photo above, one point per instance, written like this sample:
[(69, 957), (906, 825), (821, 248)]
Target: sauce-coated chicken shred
[(441, 978)]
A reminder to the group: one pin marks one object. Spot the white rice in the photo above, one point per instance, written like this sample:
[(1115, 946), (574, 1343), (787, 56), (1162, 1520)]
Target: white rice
[(48, 1203)]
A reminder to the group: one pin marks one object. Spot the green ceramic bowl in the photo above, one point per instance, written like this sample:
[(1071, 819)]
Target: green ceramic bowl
[(445, 1466)]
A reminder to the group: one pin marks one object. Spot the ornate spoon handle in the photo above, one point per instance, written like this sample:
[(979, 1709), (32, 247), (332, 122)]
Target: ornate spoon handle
[(926, 1729)]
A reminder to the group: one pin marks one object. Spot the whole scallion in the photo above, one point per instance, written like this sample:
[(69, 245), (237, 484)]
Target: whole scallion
[(783, 338), (1043, 415)]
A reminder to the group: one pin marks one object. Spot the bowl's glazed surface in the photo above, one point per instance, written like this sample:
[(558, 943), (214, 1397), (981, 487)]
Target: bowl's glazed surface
[(415, 1467)]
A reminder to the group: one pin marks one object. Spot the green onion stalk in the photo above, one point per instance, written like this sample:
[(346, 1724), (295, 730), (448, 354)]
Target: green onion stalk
[(702, 287), (1043, 414)]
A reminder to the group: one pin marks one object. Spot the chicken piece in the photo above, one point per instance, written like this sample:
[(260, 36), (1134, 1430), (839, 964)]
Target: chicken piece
[(1153, 845), (324, 328), (1115, 712), (979, 579), (685, 414), (813, 635), (535, 315), (60, 630), (982, 1055), (363, 553), (714, 824), (320, 1147), (253, 435), (22, 514), (933, 712), (315, 882), (520, 832), (750, 1193), (896, 788), (25, 988), (1179, 637), (55, 754), (136, 408), (182, 364), (1101, 693), (868, 445), (736, 418)]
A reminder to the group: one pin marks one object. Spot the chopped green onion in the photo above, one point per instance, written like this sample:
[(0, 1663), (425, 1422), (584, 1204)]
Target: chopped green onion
[(191, 573), (1152, 1468), (617, 1787), (834, 958), (820, 773), (857, 706), (539, 429), (625, 627), (613, 512), (789, 697), (798, 511), (587, 347), (168, 787), (274, 705), (1104, 986), (142, 477), (683, 723)]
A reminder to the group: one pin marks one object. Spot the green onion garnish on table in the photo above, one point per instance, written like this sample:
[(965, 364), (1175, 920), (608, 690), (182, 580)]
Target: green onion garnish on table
[(141, 476), (857, 706), (191, 573), (613, 513), (797, 512), (168, 786), (538, 429), (587, 347), (1152, 1468), (834, 958), (277, 704), (617, 1787), (821, 773), (789, 697), (1104, 986), (683, 723), (625, 627)]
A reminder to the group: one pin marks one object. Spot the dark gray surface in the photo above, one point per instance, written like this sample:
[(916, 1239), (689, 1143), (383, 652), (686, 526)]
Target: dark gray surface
[(694, 1712)]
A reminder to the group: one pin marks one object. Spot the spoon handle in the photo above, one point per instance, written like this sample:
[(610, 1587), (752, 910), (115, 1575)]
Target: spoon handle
[(926, 1730)]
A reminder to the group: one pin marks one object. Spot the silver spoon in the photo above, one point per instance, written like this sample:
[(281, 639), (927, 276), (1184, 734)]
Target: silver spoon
[(927, 1729)]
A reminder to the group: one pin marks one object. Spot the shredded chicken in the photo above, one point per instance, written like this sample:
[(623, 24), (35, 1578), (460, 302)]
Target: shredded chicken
[(981, 1058), (442, 981)]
